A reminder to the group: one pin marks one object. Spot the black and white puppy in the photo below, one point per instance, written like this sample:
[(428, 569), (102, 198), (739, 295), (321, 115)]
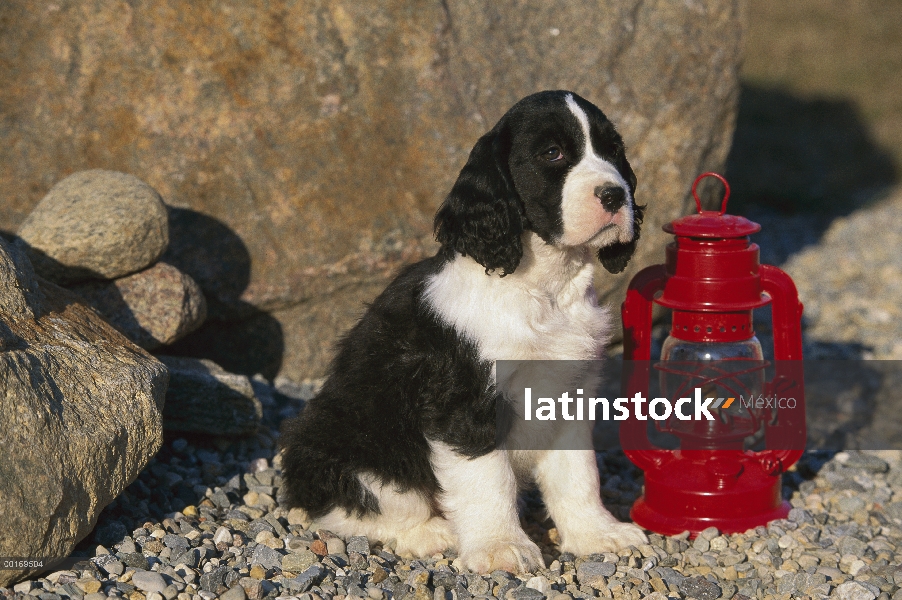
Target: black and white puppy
[(400, 442)]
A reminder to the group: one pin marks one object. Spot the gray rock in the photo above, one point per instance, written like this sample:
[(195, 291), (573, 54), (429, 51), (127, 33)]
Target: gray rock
[(95, 224), (800, 515), (189, 558), (113, 567), (850, 505), (204, 398), (222, 535), (210, 582), (851, 545), (359, 544), (252, 587), (701, 544), (700, 588), (894, 509), (316, 571), (524, 593), (69, 590), (153, 308), (20, 293), (444, 579), (24, 587), (335, 545), (219, 498), (277, 526), (299, 584), (866, 462), (170, 592), (794, 583), (258, 525), (178, 543), (298, 562), (357, 561), (234, 593), (853, 590), (110, 533), (266, 557), (135, 560), (594, 574), (149, 581), (671, 576), (477, 585), (70, 386)]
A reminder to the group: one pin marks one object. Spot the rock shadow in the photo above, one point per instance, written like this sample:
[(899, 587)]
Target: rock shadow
[(797, 164), (236, 335)]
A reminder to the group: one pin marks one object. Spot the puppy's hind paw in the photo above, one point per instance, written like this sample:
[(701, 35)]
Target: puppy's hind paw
[(607, 538), (520, 556)]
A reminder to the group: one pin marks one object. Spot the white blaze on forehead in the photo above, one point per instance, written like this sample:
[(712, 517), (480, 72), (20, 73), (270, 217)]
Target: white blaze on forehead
[(585, 219), (583, 119)]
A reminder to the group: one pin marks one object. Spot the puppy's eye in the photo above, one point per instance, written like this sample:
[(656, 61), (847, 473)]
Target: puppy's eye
[(552, 154)]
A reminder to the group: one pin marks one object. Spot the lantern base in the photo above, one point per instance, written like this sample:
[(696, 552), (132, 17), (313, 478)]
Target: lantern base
[(690, 495), (667, 524)]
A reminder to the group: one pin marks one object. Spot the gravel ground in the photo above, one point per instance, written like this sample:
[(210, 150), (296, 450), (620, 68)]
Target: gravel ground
[(849, 275), (843, 538), (203, 519)]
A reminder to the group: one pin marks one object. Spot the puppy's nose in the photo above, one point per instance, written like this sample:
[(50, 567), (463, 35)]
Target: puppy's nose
[(612, 197)]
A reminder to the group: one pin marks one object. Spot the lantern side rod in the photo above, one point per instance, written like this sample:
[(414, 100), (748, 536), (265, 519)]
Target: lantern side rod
[(636, 312), (787, 312), (789, 435)]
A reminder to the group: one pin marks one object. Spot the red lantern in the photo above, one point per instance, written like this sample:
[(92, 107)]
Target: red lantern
[(712, 281)]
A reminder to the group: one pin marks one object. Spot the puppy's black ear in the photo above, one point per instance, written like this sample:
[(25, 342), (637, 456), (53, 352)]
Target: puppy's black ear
[(483, 216), (615, 257)]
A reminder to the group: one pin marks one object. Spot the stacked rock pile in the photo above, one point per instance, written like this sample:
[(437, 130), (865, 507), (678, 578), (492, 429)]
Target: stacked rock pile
[(82, 404), (101, 235)]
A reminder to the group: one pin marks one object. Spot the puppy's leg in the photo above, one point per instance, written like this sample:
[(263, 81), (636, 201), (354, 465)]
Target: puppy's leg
[(480, 499), (569, 482), (403, 516)]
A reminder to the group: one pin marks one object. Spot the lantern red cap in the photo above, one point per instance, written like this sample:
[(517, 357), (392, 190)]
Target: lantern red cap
[(712, 274), (712, 223)]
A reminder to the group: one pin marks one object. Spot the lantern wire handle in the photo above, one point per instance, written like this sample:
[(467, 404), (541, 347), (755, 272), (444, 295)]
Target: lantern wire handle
[(726, 195)]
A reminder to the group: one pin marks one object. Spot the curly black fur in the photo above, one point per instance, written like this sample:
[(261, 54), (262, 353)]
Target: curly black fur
[(482, 217)]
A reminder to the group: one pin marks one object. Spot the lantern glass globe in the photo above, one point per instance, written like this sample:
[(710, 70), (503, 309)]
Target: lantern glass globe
[(683, 350)]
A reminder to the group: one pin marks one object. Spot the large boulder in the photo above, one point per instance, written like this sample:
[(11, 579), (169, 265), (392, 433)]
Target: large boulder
[(323, 135), (80, 414)]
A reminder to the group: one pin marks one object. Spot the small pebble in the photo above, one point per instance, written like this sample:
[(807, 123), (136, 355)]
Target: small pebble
[(148, 581)]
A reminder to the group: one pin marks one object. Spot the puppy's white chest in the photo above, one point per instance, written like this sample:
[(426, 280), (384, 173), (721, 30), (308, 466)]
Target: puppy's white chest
[(532, 314)]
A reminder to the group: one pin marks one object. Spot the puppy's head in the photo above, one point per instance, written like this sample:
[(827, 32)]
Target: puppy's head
[(554, 165)]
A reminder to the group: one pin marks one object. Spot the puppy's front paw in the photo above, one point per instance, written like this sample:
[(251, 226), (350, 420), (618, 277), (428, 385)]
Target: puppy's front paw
[(609, 537), (425, 539), (514, 556)]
